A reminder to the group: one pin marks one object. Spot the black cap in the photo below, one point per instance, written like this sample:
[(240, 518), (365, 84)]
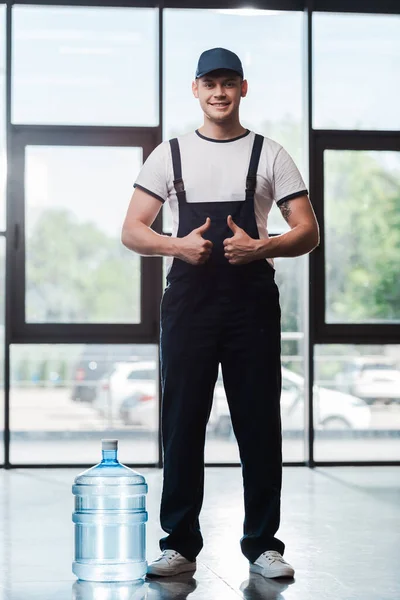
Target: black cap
[(218, 58)]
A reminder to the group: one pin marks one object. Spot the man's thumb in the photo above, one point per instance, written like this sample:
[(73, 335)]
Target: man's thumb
[(204, 227), (232, 225)]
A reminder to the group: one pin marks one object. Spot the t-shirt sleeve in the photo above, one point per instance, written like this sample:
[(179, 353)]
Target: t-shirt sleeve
[(287, 181), (152, 177)]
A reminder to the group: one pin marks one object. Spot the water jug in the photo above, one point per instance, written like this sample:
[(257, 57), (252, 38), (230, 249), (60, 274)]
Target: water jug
[(110, 520)]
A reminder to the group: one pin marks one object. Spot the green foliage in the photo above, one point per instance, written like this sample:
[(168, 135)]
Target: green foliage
[(77, 273), (362, 232)]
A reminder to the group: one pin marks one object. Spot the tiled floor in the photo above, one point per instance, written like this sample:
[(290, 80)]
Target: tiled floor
[(341, 527)]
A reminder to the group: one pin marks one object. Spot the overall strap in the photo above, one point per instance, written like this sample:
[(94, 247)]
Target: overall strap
[(177, 168), (251, 179)]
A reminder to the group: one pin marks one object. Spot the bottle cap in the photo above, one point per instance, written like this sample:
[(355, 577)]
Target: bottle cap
[(109, 444)]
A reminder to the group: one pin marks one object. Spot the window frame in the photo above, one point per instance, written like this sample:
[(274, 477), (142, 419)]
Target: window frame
[(316, 331), (342, 333), (21, 332)]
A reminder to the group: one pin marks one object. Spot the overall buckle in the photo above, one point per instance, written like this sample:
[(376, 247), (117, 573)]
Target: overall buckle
[(251, 182), (179, 185)]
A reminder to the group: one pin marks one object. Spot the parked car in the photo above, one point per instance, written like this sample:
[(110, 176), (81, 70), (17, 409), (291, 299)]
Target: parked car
[(97, 360), (128, 394), (375, 379), (332, 410)]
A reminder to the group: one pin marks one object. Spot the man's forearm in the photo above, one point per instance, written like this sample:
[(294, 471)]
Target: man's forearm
[(299, 240), (146, 242)]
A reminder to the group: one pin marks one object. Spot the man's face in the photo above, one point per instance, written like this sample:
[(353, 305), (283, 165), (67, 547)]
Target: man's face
[(219, 93)]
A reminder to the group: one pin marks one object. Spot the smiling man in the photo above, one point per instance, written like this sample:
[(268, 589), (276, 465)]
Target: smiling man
[(220, 307)]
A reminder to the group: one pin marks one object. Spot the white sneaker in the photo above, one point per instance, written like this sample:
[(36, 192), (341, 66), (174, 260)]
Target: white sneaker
[(271, 564), (170, 562)]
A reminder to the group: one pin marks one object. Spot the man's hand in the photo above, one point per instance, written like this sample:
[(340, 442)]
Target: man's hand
[(193, 248), (241, 248)]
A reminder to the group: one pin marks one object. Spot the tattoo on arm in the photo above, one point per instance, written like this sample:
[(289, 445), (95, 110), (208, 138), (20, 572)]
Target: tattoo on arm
[(285, 210)]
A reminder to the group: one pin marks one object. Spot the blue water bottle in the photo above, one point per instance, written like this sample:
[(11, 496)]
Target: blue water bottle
[(110, 521)]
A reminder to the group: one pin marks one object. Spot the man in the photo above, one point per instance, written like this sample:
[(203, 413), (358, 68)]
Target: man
[(221, 306)]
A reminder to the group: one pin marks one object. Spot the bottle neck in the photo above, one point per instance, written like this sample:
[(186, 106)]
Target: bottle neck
[(109, 456)]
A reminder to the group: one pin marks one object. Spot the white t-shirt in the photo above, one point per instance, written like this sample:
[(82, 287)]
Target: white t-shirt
[(216, 171)]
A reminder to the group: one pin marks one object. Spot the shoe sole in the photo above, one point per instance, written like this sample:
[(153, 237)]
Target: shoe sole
[(160, 572), (272, 573)]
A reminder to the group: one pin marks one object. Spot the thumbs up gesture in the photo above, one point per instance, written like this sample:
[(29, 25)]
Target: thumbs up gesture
[(193, 248), (241, 248)]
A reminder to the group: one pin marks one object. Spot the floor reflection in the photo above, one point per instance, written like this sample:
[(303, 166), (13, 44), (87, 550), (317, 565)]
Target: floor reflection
[(258, 587), (177, 588), (91, 590)]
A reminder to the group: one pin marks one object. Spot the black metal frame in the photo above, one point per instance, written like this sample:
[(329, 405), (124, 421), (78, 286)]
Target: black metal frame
[(355, 6), (360, 333), (22, 136), (17, 331), (309, 320)]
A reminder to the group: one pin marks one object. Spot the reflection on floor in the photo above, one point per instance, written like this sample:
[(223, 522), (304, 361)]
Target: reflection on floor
[(341, 527)]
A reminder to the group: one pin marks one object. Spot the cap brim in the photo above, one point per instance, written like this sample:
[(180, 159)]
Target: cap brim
[(198, 75)]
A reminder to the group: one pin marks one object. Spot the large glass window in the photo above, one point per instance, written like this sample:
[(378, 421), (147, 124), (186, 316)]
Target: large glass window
[(362, 236), (85, 66), (269, 44), (65, 398), (99, 66), (357, 402), (274, 108), (77, 270), (274, 70), (356, 75)]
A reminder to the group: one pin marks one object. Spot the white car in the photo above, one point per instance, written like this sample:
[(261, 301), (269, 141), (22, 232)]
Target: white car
[(332, 410), (372, 378), (129, 394), (377, 385)]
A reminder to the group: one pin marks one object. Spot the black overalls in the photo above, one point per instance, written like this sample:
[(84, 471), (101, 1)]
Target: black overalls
[(229, 314)]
